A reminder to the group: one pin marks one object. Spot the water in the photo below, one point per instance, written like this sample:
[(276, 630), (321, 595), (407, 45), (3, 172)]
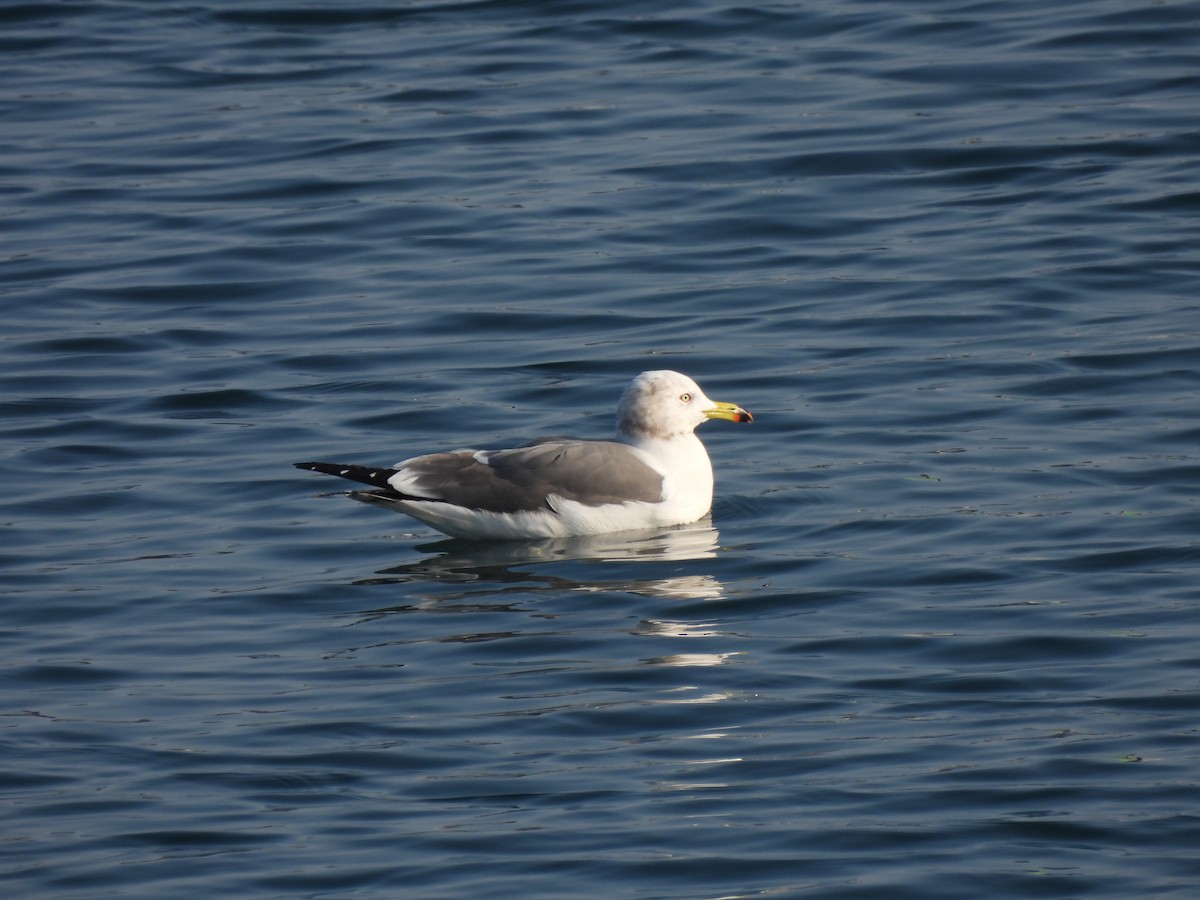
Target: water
[(938, 638)]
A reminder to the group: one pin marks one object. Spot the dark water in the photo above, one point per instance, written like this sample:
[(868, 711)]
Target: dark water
[(940, 637)]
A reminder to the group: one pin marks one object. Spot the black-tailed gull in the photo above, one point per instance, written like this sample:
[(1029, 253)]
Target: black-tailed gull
[(655, 473)]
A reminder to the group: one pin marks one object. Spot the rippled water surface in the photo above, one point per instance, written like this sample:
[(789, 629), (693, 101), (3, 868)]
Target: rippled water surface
[(939, 637)]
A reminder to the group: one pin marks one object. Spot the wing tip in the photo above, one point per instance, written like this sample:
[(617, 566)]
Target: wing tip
[(375, 476)]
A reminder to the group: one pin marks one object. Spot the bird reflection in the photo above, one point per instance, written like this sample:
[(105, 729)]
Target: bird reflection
[(516, 563), (485, 578)]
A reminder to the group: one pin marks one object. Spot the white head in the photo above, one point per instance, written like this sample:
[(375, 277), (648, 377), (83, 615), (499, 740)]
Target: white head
[(662, 405)]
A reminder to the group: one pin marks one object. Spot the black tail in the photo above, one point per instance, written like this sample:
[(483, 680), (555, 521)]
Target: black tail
[(376, 477)]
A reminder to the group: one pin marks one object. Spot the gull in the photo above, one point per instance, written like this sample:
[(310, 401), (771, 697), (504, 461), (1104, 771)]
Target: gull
[(655, 473)]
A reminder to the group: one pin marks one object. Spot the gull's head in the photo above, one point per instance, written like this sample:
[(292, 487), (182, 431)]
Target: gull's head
[(662, 405)]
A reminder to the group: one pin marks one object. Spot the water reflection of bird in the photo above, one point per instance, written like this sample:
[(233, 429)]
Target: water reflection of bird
[(527, 564)]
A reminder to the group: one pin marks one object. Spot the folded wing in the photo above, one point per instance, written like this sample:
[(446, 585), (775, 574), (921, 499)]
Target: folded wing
[(593, 473)]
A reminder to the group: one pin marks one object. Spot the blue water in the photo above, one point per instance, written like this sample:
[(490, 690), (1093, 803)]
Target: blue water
[(940, 637)]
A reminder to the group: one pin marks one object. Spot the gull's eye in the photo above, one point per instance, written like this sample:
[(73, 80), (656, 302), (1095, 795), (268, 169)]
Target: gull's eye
[(685, 397)]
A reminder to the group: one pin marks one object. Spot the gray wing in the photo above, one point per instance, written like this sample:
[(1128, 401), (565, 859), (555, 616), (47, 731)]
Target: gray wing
[(590, 472)]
